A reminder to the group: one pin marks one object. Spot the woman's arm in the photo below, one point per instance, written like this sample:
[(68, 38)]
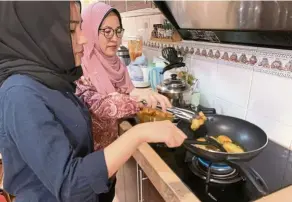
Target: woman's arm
[(43, 144), (152, 98), (113, 106)]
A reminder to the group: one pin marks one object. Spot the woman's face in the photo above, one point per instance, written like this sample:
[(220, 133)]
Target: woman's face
[(108, 40), (78, 39)]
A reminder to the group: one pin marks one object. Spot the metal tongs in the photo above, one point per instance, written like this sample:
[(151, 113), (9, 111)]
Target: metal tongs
[(179, 112)]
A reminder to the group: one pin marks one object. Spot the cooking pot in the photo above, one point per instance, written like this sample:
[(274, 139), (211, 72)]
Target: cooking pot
[(176, 90)]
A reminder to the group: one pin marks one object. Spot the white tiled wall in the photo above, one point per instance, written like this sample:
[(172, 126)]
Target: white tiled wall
[(260, 98)]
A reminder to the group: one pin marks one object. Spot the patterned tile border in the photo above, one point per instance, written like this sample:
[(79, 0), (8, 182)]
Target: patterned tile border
[(271, 61)]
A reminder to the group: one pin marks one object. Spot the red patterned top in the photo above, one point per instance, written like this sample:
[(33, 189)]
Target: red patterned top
[(105, 111)]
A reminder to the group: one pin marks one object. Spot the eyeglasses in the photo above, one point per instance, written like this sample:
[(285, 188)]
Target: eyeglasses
[(109, 32)]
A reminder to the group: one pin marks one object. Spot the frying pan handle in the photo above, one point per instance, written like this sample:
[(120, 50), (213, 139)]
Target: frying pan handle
[(253, 177), (206, 110)]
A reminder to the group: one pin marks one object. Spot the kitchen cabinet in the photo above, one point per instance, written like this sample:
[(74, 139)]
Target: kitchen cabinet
[(132, 183), (124, 6), (145, 189), (126, 188), (134, 186), (136, 5), (121, 6)]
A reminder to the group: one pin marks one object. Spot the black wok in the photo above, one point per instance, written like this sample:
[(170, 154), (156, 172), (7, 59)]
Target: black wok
[(245, 134)]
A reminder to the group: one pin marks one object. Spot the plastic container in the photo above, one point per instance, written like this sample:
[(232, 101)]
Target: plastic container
[(135, 46)]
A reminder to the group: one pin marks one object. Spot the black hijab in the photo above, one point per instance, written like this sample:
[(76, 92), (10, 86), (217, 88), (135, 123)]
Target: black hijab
[(35, 40)]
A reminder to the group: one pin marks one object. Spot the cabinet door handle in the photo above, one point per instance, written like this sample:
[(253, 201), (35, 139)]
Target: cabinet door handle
[(138, 183), (141, 185), (140, 180)]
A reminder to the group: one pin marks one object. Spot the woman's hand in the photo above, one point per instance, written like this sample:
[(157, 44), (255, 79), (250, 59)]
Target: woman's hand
[(117, 153), (147, 132), (151, 98)]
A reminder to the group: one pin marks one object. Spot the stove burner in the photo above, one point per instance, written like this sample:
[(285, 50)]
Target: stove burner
[(218, 173), (216, 168)]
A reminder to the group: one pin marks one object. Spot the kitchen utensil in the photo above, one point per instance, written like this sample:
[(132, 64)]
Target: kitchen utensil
[(208, 142), (181, 113), (174, 89), (194, 85), (195, 93), (170, 54), (155, 76), (151, 115), (178, 113), (166, 62), (173, 65), (247, 135)]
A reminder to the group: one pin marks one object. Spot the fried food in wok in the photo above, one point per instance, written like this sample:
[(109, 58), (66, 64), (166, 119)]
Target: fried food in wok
[(232, 148), (225, 141), (197, 122), (150, 115), (208, 148)]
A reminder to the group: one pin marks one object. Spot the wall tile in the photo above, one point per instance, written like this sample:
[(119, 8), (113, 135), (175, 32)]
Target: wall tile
[(205, 71), (233, 84), (150, 53), (271, 96), (229, 109), (277, 131), (188, 66), (207, 100)]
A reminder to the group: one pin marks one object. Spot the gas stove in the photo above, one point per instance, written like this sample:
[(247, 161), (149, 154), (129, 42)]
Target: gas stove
[(220, 182), (223, 183), (219, 173)]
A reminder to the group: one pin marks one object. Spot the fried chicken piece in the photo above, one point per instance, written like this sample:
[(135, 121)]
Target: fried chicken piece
[(232, 148)]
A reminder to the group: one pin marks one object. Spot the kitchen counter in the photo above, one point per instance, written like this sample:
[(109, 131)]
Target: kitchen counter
[(161, 176), (169, 185)]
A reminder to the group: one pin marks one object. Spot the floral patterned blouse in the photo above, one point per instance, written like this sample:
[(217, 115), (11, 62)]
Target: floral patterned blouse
[(105, 111)]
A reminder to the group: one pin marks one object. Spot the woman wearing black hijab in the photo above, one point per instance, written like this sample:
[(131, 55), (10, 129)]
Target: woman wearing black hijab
[(45, 131)]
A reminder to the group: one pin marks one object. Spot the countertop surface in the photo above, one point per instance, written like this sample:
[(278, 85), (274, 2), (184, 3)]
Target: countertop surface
[(170, 186)]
